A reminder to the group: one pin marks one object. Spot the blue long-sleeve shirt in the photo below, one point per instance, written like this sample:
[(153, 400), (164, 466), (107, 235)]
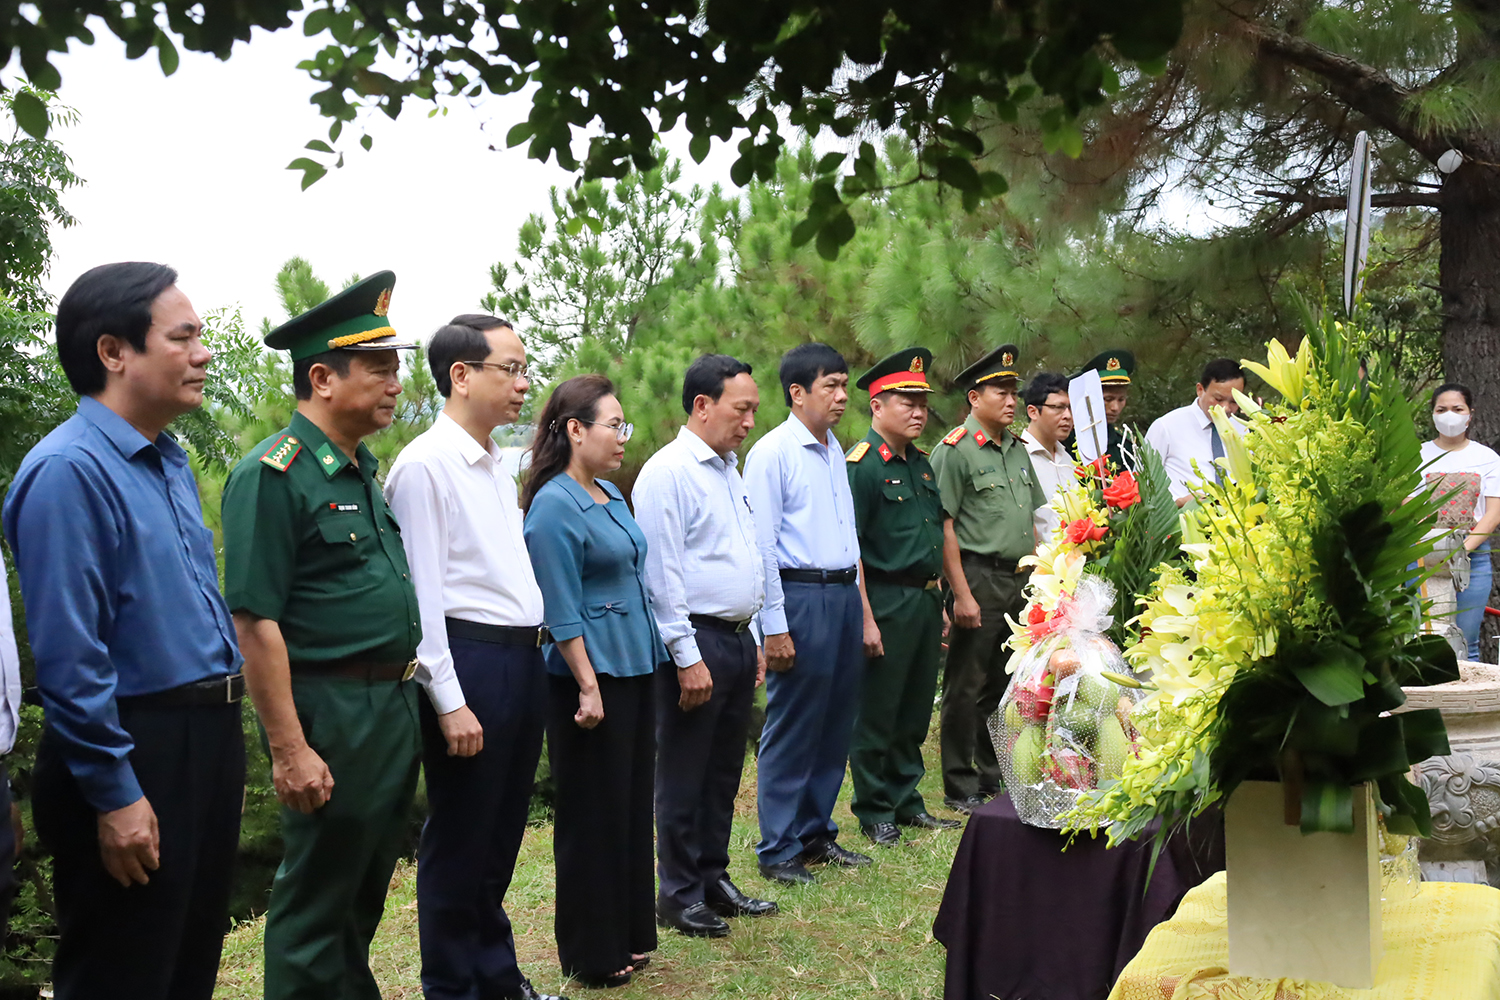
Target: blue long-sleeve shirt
[(117, 572)]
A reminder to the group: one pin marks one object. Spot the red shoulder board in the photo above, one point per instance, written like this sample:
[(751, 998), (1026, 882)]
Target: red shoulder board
[(979, 438), (281, 452), (885, 451), (955, 435), (920, 448)]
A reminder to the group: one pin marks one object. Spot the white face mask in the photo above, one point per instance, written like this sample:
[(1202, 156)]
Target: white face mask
[(1450, 424)]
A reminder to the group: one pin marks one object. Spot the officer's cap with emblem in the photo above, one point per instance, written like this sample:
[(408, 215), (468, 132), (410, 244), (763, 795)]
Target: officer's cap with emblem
[(1000, 364), (352, 320), (904, 371), (1114, 367)]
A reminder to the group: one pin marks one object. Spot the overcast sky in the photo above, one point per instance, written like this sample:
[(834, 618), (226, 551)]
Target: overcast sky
[(189, 170)]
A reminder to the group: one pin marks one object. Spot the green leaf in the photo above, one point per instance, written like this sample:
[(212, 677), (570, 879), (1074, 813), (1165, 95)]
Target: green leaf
[(958, 172), (992, 184), (1327, 807), (519, 133), (166, 54), (742, 170), (312, 170), (699, 145), (1334, 674), (1425, 734), (367, 140), (830, 162), (805, 230), (838, 230), (320, 146), (31, 114)]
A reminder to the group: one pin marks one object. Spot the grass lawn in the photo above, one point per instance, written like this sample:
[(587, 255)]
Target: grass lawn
[(853, 933)]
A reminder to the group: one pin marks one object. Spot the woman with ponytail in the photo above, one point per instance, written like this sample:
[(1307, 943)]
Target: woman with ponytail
[(588, 554)]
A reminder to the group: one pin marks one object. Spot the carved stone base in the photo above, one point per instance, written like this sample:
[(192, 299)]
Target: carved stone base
[(1463, 792)]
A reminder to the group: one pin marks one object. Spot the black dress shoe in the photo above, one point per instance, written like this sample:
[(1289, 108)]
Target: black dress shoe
[(926, 821), (884, 834), (791, 872), (694, 921), (828, 852), (725, 899), (965, 806), (529, 992)]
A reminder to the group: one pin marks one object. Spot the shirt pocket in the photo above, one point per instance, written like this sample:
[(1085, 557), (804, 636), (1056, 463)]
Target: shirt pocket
[(897, 493), (986, 477), (345, 532)]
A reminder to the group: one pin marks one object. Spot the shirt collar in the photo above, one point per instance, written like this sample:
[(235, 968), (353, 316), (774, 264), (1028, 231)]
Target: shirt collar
[(802, 434), (123, 436), (1034, 447), (701, 452), (328, 456), (1199, 417), (975, 427), (469, 450), (581, 496)]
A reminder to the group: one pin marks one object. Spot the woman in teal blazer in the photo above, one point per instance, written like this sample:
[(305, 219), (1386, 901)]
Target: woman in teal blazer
[(588, 555)]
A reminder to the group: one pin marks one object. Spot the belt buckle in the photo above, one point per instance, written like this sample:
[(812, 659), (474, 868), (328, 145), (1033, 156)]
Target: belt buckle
[(930, 585), (411, 670), (229, 688), (741, 626)]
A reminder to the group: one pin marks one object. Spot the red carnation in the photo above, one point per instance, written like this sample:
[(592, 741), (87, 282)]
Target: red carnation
[(1036, 615), (1123, 492)]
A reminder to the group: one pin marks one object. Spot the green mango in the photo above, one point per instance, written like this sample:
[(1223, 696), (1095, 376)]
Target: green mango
[(1111, 748), (1013, 721), (1081, 722), (1095, 692), (1026, 756)]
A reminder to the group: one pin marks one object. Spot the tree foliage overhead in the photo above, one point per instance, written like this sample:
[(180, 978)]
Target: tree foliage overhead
[(623, 70)]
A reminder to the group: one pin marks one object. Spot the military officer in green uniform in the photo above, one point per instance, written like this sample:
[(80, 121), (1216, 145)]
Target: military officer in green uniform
[(327, 620), (988, 494), (898, 517), (1114, 368)]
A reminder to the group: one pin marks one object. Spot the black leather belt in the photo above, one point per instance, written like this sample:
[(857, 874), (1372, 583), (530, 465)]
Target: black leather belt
[(223, 690), (1001, 563), (530, 636), (918, 581), (358, 668), (719, 624), (820, 575)]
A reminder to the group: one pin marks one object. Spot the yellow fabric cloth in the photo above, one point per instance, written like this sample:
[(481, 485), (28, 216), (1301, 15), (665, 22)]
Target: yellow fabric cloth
[(1443, 944)]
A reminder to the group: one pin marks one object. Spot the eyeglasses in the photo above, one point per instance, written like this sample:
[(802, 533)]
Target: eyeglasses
[(622, 431), (515, 369), (1059, 407)]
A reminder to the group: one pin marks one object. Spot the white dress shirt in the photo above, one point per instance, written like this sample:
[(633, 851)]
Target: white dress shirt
[(701, 552), (1054, 472), (461, 528), (10, 670), (1182, 437), (804, 510)]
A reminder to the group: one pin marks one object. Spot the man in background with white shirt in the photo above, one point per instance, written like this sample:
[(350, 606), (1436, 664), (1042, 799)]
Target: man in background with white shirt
[(706, 581), (479, 660), (813, 618), (10, 719), (1050, 421), (1187, 434)]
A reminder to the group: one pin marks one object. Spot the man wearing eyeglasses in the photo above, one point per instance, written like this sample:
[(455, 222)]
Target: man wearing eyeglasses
[(479, 660), (1050, 421)]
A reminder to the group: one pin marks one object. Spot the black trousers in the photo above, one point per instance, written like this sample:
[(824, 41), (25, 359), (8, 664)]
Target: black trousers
[(477, 817), (700, 757), (159, 941), (601, 841)]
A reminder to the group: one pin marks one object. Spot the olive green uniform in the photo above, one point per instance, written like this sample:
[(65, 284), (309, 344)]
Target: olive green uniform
[(310, 544), (898, 515), (989, 491)]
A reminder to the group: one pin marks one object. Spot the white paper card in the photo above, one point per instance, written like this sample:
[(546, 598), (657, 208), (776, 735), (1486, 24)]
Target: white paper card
[(1086, 394)]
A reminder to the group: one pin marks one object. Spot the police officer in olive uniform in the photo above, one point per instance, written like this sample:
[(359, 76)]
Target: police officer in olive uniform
[(1114, 368), (898, 517), (327, 618), (988, 493)]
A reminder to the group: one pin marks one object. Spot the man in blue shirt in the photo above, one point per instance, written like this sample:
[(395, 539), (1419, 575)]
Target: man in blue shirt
[(141, 767)]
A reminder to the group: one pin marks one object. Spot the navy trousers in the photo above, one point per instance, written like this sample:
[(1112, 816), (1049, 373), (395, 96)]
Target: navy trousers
[(700, 756), (477, 817), (810, 711)]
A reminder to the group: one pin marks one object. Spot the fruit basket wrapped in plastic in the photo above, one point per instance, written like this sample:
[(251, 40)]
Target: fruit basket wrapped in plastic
[(1063, 726)]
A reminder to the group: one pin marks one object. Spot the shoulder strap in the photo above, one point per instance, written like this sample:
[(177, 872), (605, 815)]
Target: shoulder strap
[(955, 435), (282, 451), (857, 452)]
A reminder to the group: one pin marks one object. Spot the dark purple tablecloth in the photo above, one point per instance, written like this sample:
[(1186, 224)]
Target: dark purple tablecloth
[(1022, 919)]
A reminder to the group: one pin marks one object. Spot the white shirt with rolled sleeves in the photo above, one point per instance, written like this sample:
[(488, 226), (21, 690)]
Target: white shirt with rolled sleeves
[(10, 670), (804, 510), (1181, 438), (702, 557), (461, 527)]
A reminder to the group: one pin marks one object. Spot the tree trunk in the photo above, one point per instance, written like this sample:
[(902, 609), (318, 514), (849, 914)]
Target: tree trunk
[(1469, 273)]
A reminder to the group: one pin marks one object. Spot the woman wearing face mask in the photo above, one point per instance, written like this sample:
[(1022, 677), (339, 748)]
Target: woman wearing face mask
[(588, 554), (1470, 474)]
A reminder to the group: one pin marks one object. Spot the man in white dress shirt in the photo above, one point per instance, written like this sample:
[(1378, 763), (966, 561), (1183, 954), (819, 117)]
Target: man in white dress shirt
[(10, 719), (813, 619), (480, 660), (1050, 421), (706, 580), (1187, 434)]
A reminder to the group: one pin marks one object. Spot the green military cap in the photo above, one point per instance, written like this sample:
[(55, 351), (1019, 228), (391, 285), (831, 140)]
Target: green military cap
[(1001, 363), (352, 320), (904, 371), (1114, 367)]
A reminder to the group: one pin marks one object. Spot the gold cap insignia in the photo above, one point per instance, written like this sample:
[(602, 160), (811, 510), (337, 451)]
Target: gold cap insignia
[(1007, 359), (383, 304), (1112, 365), (916, 364)]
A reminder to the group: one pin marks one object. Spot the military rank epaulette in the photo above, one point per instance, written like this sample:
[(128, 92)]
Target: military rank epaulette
[(857, 452), (281, 452), (921, 449), (955, 435), (1018, 437)]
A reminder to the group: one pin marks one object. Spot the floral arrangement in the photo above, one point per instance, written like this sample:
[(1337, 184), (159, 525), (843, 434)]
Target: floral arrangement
[(1279, 649)]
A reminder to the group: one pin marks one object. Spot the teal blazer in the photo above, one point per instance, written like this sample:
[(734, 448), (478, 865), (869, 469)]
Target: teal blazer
[(589, 558)]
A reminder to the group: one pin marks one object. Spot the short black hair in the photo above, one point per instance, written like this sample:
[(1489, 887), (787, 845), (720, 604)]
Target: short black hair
[(1221, 370), (109, 300), (455, 342), (1042, 385), (480, 321), (336, 359), (1457, 387), (806, 363), (707, 375)]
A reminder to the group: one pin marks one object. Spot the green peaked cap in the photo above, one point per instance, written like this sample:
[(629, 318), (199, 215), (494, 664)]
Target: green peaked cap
[(1114, 367), (1001, 363), (352, 320)]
